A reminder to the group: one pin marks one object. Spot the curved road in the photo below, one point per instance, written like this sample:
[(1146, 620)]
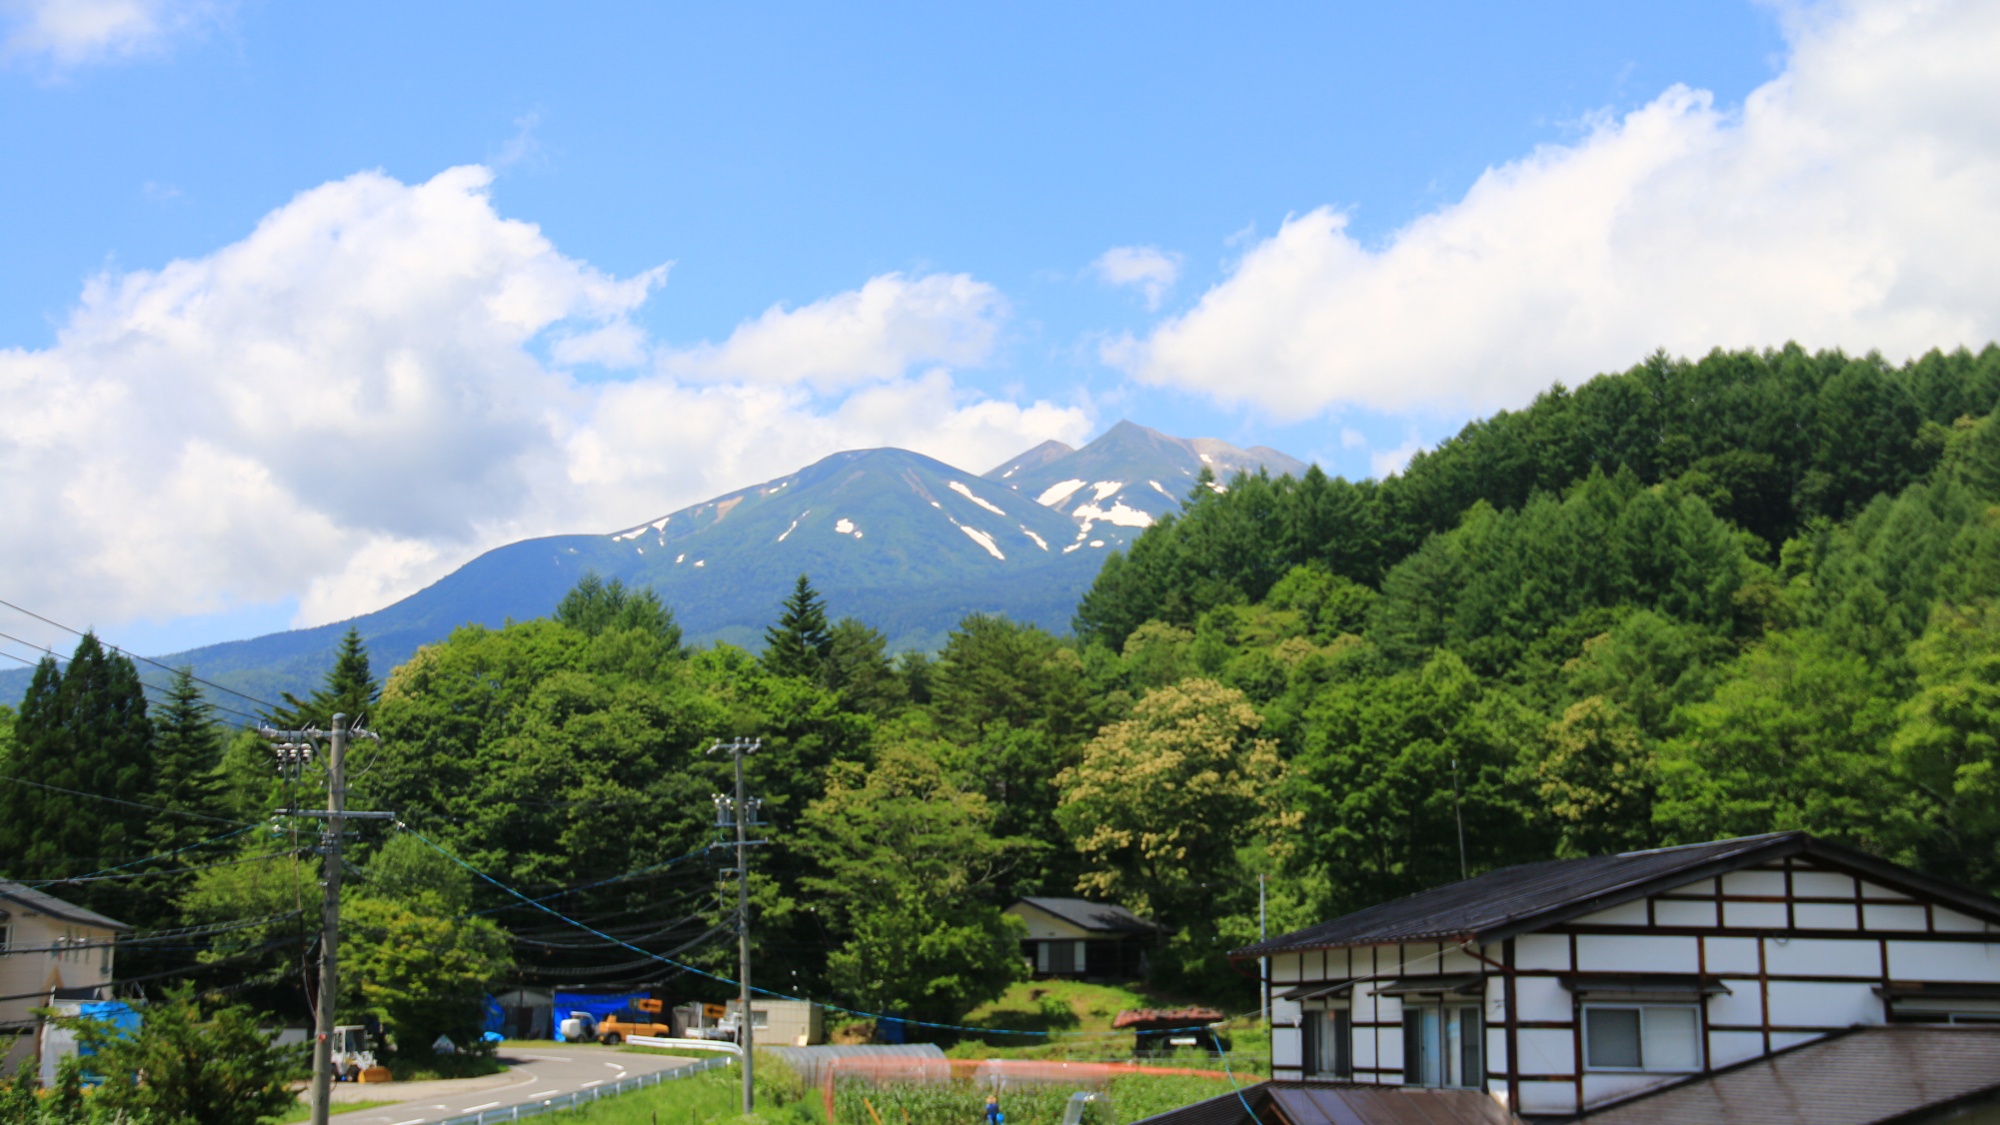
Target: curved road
[(533, 1075)]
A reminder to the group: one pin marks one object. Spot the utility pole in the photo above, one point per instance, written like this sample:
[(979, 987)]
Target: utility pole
[(742, 814), (1262, 879), (294, 748)]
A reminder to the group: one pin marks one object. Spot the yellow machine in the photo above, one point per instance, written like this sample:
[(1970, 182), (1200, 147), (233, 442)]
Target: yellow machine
[(644, 1017)]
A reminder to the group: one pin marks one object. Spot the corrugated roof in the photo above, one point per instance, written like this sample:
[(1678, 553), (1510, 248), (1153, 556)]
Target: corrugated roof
[(31, 899), (1338, 1103), (1517, 899), (1864, 1077), (1100, 917)]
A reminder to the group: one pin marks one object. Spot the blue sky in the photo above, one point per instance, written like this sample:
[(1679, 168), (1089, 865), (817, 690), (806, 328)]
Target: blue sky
[(1343, 230)]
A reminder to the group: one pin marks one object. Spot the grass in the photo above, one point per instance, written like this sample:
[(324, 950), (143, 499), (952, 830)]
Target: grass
[(303, 1112), (1126, 1098), (1074, 1019), (714, 1095), (425, 1068)]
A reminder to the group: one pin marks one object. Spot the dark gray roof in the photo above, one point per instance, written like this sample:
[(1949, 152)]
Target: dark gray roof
[(29, 898), (1098, 917), (1516, 900), (1338, 1103), (1875, 1074)]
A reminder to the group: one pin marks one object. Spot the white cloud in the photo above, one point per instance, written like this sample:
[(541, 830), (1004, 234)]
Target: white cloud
[(1148, 268), (1854, 201), (66, 33), (880, 331), (348, 402)]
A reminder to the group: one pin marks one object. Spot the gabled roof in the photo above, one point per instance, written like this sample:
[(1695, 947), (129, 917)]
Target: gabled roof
[(1097, 917), (29, 898), (1863, 1077), (1338, 1103), (1532, 896)]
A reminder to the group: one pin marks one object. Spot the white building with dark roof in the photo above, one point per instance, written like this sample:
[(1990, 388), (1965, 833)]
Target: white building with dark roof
[(1566, 987), (49, 950), (1077, 938)]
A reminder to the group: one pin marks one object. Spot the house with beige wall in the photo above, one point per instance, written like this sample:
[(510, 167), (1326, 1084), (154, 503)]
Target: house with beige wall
[(49, 949)]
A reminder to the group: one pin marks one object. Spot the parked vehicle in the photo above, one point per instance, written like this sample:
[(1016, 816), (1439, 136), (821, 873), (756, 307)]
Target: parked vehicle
[(644, 1017), (351, 1055), (580, 1027)]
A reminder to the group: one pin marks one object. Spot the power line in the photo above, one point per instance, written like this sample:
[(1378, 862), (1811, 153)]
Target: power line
[(142, 683), (135, 656), (148, 858), (129, 804)]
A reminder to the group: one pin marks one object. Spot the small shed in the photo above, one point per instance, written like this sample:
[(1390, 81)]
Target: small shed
[(1079, 939), (783, 1023), (1160, 1031)]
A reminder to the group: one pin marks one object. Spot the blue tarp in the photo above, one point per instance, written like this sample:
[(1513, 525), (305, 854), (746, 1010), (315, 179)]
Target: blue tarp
[(598, 1004), (117, 1013), (496, 1016)]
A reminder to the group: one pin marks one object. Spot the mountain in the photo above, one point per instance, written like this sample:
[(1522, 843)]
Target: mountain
[(1131, 475), (906, 543)]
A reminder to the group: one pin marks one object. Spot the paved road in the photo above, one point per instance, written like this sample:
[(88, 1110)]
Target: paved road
[(534, 1075)]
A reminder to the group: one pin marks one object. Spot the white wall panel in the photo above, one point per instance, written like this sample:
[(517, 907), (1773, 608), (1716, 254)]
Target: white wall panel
[(1820, 1004), (1364, 1047), (1743, 1006), (1753, 883), (1542, 951), (1617, 953), (1285, 968), (1877, 916), (1548, 1097), (1825, 916), (1953, 922), (1601, 1087), (1725, 1047), (1624, 914), (1944, 960), (1541, 999), (1671, 912), (1876, 890), (1455, 961), (1546, 1051), (1282, 1011), (1732, 955), (1783, 1039), (1822, 884), (1286, 1043), (1822, 957), (1754, 915)]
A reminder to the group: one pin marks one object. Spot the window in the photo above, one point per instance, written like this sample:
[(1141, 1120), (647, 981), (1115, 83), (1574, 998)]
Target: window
[(1329, 1041), (1443, 1045), (1641, 1037), (6, 938), (1060, 957), (759, 1018)]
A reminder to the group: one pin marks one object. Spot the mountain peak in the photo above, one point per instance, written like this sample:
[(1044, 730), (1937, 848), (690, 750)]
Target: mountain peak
[(1131, 474)]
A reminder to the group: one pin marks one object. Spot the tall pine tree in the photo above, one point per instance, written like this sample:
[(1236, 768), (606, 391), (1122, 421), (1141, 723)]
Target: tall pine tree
[(351, 689), (82, 731), (187, 758), (799, 644)]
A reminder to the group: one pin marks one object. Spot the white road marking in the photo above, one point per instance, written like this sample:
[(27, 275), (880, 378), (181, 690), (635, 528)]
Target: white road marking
[(544, 1093), (412, 1121), (477, 1108), (614, 1066), (593, 1082)]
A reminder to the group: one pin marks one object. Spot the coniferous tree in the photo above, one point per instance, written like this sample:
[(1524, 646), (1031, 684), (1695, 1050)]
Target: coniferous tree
[(187, 756), (351, 689), (595, 606), (799, 644), (82, 731)]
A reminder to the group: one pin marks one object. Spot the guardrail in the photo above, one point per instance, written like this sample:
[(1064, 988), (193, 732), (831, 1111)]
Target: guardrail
[(582, 1097), (724, 1046)]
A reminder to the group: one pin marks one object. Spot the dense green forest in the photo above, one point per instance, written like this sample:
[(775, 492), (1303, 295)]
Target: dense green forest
[(1753, 592)]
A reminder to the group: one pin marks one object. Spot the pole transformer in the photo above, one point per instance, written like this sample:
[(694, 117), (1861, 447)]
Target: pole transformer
[(742, 814)]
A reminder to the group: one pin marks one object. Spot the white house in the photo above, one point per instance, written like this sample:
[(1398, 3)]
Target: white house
[(1074, 937), (1565, 987)]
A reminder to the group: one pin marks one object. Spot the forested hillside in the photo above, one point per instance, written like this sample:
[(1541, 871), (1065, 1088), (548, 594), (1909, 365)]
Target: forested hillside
[(1759, 591)]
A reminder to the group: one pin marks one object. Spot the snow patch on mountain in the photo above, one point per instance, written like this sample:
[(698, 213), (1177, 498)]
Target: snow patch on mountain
[(1117, 513), (845, 526), (1039, 541), (1105, 488), (983, 540), (967, 493), (1055, 494)]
